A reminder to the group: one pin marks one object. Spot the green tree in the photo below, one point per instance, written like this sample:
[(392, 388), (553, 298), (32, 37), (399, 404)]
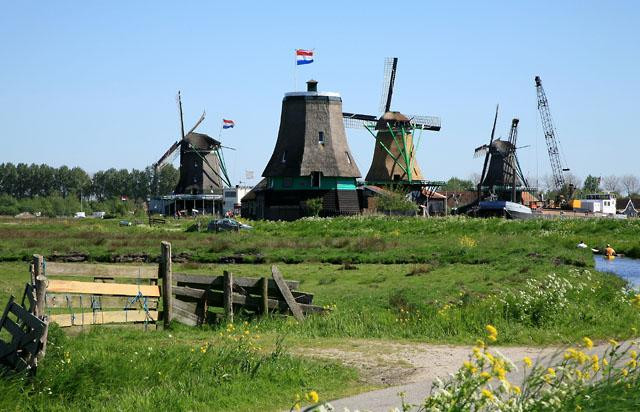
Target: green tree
[(591, 184), (456, 184)]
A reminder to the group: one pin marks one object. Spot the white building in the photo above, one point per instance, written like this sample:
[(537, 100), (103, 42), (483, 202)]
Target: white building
[(232, 198), (604, 203)]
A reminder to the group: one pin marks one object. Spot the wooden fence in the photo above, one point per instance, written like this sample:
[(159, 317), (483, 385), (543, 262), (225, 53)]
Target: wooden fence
[(74, 301), (189, 296), (27, 333)]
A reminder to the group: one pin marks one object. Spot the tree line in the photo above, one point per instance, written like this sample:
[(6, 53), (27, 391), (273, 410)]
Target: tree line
[(24, 181)]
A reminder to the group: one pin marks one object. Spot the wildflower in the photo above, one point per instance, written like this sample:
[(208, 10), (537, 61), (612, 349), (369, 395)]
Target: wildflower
[(480, 343), (313, 397), (613, 342), (633, 354), (625, 372), (493, 333), (485, 375), (516, 389), (632, 363), (588, 343), (527, 361), (488, 394)]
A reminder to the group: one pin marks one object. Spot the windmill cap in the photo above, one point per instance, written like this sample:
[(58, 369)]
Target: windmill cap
[(312, 85), (393, 118)]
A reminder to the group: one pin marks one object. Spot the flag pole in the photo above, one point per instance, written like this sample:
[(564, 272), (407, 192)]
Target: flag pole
[(220, 132)]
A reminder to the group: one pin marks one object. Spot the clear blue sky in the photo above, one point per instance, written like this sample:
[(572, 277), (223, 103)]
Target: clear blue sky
[(93, 84)]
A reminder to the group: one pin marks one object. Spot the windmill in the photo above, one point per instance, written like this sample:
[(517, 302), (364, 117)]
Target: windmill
[(394, 154), (202, 166), (501, 171)]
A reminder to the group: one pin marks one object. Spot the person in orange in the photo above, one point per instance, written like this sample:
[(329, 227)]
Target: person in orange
[(609, 252)]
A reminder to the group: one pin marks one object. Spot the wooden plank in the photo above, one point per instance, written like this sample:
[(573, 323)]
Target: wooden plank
[(215, 299), (101, 270), (216, 281), (185, 312), (265, 297), (91, 288), (228, 295), (286, 293), (57, 300), (40, 284), (167, 282), (99, 318)]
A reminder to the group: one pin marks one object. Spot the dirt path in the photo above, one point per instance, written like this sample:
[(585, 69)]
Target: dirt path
[(407, 367)]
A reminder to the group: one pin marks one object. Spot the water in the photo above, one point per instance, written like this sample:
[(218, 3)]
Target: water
[(626, 268)]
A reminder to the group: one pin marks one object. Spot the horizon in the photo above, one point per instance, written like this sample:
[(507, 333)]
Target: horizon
[(94, 85)]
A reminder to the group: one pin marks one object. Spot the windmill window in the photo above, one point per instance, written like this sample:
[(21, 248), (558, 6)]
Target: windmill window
[(321, 137), (348, 157), (284, 157), (315, 179)]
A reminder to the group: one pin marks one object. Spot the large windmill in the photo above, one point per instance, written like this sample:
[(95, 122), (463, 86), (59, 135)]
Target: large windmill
[(501, 173), (394, 159), (202, 166)]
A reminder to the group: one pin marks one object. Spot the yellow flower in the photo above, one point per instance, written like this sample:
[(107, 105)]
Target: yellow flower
[(551, 371), (625, 372), (313, 397), (527, 361), (485, 375), (297, 406), (632, 363), (516, 389), (633, 354), (491, 330), (480, 343), (605, 362), (492, 338), (613, 342), (488, 394), (588, 343)]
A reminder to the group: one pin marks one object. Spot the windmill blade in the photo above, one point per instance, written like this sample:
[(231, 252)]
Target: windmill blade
[(358, 121), (166, 155), (480, 151), (486, 159), (425, 122), (204, 113), (390, 67)]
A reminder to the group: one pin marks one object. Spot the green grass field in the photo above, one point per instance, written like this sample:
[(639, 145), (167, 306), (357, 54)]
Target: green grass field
[(433, 280)]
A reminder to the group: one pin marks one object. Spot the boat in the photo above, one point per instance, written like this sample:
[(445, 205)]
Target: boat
[(503, 208)]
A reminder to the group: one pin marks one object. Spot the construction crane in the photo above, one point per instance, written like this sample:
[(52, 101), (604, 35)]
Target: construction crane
[(550, 137)]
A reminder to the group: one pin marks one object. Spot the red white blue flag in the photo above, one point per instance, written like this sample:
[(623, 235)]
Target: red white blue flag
[(304, 56), (227, 124)]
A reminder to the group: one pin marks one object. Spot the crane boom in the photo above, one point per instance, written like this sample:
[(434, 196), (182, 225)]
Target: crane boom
[(550, 136)]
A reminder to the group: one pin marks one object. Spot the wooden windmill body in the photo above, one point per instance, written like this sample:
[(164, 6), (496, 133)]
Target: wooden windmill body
[(202, 166), (394, 157)]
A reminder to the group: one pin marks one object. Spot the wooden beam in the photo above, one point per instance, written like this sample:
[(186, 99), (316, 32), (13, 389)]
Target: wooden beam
[(244, 282), (99, 318), (100, 270), (81, 302), (91, 288), (167, 282), (40, 284), (228, 295), (265, 296), (186, 313), (286, 293)]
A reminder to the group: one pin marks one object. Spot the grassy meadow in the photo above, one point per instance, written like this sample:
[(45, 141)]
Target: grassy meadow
[(435, 280)]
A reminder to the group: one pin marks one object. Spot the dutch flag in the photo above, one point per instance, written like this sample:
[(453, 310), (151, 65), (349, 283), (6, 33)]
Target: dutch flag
[(227, 124), (304, 56)]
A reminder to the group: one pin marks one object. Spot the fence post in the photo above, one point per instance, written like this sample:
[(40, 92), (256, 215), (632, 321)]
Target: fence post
[(265, 296), (40, 285), (165, 272), (227, 286)]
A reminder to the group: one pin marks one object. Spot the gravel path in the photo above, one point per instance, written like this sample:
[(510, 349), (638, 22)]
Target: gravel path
[(410, 368)]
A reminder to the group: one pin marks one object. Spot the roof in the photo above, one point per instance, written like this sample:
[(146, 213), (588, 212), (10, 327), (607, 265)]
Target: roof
[(298, 150), (251, 195), (202, 141)]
